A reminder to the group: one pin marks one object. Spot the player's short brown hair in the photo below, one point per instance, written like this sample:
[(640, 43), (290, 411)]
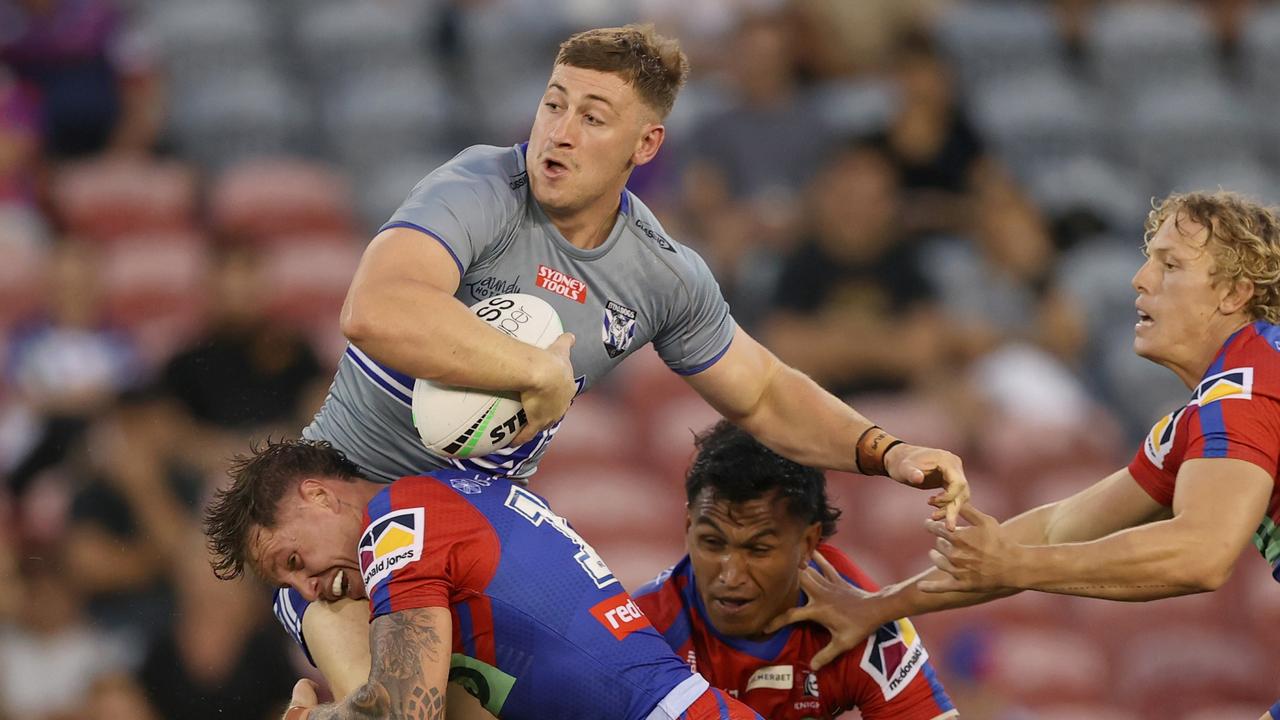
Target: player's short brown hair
[(258, 481), (1244, 241), (652, 64)]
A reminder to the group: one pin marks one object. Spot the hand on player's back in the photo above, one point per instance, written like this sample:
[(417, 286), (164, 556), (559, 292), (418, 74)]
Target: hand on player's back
[(930, 468), (548, 400)]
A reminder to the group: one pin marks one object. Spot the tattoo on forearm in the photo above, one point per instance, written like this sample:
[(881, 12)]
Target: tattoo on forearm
[(402, 643)]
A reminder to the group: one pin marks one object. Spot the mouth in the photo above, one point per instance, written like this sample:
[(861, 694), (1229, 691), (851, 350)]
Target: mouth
[(554, 168), (1144, 320), (732, 606), (337, 587)]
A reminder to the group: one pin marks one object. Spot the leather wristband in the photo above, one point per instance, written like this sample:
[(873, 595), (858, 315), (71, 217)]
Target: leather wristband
[(873, 444), (297, 712)]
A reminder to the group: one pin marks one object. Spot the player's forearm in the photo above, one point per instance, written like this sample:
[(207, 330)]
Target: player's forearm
[(906, 599), (799, 420), (1152, 561), (369, 702), (426, 333)]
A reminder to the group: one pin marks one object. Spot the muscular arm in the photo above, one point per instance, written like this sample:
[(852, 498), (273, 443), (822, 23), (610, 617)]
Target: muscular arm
[(400, 310), (410, 668), (781, 406)]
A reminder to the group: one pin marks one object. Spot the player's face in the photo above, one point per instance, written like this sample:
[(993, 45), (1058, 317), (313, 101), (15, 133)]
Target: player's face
[(311, 549), (1183, 315), (591, 129), (747, 559)]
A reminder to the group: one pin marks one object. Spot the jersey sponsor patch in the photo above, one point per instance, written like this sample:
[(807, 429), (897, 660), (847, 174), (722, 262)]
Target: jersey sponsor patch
[(894, 656), (562, 284), (1160, 440), (772, 677), (619, 328), (390, 543), (1234, 384), (655, 236), (619, 615)]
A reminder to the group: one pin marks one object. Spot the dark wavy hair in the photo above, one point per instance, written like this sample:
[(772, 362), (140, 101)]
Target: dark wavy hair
[(737, 468), (258, 481)]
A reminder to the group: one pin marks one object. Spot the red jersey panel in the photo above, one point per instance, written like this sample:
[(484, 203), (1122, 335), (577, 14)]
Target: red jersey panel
[(1234, 412), (887, 676)]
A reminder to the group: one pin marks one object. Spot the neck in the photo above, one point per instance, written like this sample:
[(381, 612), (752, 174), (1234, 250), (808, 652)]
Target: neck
[(1191, 372), (590, 226), (364, 492)]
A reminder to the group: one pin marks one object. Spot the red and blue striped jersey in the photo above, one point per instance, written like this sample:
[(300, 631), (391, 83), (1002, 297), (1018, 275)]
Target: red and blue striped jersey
[(541, 628), (1234, 412), (887, 676)]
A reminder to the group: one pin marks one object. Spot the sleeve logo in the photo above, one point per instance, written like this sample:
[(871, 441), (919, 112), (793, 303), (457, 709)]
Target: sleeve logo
[(389, 543), (1234, 384), (894, 656), (620, 615), (1160, 440)]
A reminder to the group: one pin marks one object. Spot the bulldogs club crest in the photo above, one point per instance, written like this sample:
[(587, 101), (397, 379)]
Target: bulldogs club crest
[(619, 328)]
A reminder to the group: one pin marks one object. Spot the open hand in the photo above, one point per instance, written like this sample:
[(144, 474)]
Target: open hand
[(834, 603), (978, 558)]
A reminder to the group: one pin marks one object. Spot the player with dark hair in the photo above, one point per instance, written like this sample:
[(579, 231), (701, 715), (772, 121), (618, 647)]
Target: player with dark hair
[(471, 579), (755, 519), (1206, 479), (552, 217)]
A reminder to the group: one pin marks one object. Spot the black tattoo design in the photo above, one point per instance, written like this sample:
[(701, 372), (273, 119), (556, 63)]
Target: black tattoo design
[(402, 643)]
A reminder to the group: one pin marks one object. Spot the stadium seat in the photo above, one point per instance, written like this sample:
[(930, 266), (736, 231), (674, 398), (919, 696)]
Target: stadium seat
[(383, 186), (1259, 51), (1243, 175), (1229, 711), (1089, 711), (241, 114), (381, 117), (855, 108), (151, 286), (1039, 118), (342, 38), (306, 276), (989, 40), (198, 39), (597, 428), (1046, 664), (108, 198), (1118, 197), (1170, 128), (265, 199), (1176, 667), (1134, 44)]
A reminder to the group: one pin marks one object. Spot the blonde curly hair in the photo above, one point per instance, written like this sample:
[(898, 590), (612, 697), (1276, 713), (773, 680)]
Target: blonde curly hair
[(1244, 241)]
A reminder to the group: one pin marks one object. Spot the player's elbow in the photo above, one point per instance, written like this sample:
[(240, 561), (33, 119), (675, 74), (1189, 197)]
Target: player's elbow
[(1212, 575), (356, 320)]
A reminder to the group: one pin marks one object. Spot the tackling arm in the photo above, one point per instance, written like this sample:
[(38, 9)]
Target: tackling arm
[(795, 417), (410, 668)]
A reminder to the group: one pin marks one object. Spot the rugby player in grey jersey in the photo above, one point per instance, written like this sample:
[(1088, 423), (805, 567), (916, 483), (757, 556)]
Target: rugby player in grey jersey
[(552, 217)]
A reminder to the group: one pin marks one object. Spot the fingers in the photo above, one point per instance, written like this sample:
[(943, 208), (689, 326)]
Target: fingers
[(794, 615), (939, 529), (826, 655), (953, 511), (943, 563), (947, 584), (828, 570), (563, 344), (305, 693), (976, 516)]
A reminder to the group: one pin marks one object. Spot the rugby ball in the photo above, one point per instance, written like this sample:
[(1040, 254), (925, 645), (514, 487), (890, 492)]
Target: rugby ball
[(464, 422)]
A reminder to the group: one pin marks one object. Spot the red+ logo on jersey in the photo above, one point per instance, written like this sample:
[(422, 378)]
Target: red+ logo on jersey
[(620, 615), (561, 284)]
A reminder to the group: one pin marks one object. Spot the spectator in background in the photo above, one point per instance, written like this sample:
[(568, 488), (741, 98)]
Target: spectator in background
[(936, 149), (247, 373), (49, 655), (851, 38), (97, 88), (853, 308), (69, 365), (19, 140), (130, 516), (218, 659)]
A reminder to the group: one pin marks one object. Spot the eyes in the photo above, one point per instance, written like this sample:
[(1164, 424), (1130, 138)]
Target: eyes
[(591, 118), (294, 563), (711, 543)]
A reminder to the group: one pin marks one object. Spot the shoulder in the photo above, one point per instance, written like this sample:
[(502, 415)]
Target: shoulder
[(847, 567), (662, 598), (483, 172), (680, 259)]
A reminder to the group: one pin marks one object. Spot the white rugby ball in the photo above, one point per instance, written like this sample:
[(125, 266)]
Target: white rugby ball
[(464, 422)]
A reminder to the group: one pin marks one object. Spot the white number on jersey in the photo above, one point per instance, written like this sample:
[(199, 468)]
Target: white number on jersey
[(535, 510)]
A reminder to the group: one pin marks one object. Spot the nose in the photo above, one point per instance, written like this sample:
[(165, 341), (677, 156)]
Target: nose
[(733, 570), (1139, 280), (562, 134), (308, 588)]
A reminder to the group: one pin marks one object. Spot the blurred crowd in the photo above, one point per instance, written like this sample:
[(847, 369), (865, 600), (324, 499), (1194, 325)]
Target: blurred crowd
[(933, 207)]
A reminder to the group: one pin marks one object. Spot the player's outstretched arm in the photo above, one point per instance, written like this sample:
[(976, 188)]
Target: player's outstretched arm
[(400, 310), (1217, 505), (851, 614), (411, 651), (795, 417)]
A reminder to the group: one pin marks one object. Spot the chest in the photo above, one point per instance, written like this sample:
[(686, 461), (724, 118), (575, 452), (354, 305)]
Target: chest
[(781, 689), (611, 303)]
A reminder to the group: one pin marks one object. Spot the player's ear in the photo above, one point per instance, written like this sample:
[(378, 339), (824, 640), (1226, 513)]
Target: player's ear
[(649, 144), (688, 519), (315, 492), (1237, 297), (812, 536)]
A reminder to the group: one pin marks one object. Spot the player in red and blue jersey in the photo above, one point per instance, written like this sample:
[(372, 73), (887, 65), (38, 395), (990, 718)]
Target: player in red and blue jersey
[(755, 519), (1205, 480), (470, 579)]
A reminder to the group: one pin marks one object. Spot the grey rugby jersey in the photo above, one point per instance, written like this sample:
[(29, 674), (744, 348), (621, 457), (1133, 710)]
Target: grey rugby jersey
[(638, 287)]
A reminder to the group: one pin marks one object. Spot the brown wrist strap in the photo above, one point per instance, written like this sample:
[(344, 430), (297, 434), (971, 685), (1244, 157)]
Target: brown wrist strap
[(297, 712), (873, 444)]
